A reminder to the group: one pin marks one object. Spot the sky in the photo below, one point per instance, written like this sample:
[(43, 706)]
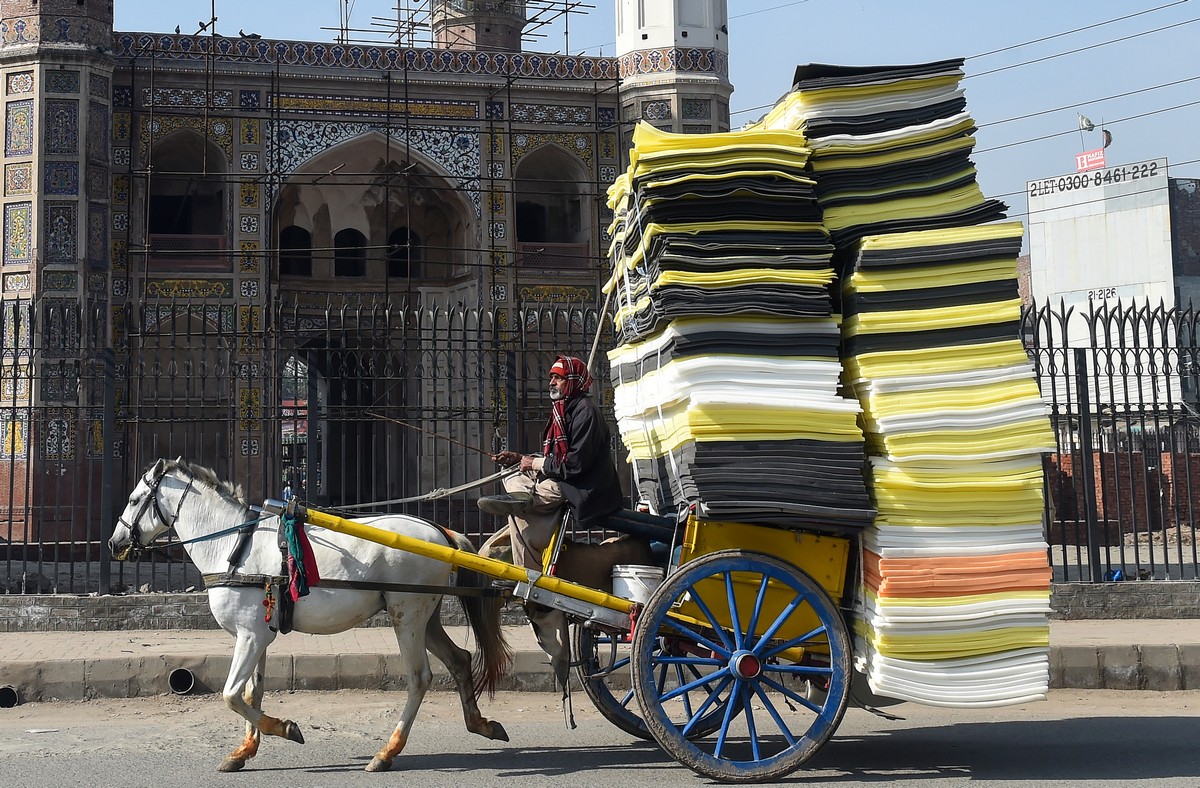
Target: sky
[(1033, 66)]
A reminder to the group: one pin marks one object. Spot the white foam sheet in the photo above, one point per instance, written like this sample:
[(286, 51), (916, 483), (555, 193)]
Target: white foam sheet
[(885, 539), (884, 613), (1002, 679), (962, 418), (735, 379)]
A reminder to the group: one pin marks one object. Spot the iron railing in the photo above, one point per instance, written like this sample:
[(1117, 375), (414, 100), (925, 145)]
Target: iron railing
[(359, 400)]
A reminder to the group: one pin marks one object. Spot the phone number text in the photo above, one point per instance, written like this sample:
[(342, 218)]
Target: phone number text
[(1087, 180)]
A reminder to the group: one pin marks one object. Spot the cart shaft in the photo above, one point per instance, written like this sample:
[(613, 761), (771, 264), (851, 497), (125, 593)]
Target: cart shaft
[(490, 567)]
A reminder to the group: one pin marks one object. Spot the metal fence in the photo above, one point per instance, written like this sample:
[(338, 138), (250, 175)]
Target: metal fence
[(356, 401), (1123, 488), (374, 400)]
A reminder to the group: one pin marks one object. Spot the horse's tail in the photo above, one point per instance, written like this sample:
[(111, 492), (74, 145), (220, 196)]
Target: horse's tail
[(493, 655)]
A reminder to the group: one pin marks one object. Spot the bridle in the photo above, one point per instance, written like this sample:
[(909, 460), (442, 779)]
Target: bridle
[(136, 546)]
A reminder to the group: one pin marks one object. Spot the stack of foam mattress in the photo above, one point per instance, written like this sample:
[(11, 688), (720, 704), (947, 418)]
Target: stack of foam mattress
[(956, 587), (890, 147), (726, 373)]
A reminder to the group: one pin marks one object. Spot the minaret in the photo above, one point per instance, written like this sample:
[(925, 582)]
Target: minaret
[(489, 25), (56, 77), (674, 61)]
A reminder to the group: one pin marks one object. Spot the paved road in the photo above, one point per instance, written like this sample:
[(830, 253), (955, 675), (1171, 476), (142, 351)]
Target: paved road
[(1100, 738)]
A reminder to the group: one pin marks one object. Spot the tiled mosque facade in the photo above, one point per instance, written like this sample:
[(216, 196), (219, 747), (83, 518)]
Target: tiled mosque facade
[(150, 169)]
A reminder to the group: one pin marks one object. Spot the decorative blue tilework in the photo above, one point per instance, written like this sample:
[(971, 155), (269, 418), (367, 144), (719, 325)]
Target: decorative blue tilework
[(62, 81), (494, 110), (60, 231), (249, 99), (98, 86), (62, 127), (97, 133), (97, 236), (62, 178), (658, 109), (241, 51), (454, 148), (97, 182)]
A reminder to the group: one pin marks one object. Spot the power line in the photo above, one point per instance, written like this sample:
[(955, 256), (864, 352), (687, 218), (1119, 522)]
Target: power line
[(1085, 103), (1076, 30), (1041, 39), (1082, 49), (1072, 131)]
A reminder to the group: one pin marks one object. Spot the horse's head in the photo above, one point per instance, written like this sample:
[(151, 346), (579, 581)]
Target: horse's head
[(145, 517)]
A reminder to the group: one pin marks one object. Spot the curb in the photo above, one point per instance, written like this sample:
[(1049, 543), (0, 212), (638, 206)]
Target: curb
[(1162, 668)]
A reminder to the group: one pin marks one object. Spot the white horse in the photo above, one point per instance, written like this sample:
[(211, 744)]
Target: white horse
[(209, 516)]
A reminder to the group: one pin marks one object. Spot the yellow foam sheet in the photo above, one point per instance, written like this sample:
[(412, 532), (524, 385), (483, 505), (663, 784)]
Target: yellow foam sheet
[(956, 645), (925, 361), (932, 319), (818, 277), (1025, 437), (746, 325), (921, 277), (649, 140), (634, 257), (824, 161), (917, 239), (654, 437), (798, 102), (951, 399), (839, 217)]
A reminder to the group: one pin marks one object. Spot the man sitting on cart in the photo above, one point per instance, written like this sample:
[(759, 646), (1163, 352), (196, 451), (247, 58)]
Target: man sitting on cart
[(575, 467)]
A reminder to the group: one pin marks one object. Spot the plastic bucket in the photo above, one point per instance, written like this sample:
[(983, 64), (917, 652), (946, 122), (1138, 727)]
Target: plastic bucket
[(635, 582)]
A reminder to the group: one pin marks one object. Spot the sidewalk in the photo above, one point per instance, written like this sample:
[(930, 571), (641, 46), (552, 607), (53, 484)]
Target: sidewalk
[(1108, 654)]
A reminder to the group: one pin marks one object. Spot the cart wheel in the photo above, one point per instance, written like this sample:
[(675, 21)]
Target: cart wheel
[(763, 631), (612, 692)]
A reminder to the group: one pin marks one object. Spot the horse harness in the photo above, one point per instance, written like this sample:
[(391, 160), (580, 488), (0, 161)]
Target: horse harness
[(275, 587)]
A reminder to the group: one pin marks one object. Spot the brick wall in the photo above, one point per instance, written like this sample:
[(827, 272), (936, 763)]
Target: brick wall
[(1129, 487)]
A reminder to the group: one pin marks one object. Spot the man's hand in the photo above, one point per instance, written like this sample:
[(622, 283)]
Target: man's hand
[(507, 458), (527, 462)]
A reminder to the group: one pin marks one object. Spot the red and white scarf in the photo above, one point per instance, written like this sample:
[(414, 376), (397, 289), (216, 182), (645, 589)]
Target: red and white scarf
[(577, 382)]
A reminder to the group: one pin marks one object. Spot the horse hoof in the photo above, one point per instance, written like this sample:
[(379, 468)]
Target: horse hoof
[(378, 764), (291, 731), (231, 765), (498, 732)]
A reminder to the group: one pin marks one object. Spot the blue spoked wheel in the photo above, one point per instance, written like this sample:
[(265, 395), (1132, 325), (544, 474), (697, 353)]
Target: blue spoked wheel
[(602, 665), (762, 633)]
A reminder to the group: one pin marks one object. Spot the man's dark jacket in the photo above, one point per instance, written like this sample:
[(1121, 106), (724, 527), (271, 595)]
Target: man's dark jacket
[(587, 476)]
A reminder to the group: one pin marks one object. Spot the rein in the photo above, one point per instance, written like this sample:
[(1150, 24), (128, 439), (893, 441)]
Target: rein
[(236, 579), (239, 528), (439, 492), (152, 502)]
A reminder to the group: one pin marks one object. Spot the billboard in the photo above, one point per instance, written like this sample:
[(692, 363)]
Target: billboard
[(1100, 246), (1101, 236)]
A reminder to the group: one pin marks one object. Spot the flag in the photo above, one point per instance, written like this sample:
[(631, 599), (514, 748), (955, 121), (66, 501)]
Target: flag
[(1085, 124), (1107, 137)]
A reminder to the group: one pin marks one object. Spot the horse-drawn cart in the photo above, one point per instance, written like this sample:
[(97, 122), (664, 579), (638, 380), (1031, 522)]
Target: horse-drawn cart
[(740, 659)]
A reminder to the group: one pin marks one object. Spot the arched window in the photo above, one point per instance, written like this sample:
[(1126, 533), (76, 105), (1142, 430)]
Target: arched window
[(295, 252), (404, 252), (551, 225), (186, 207), (349, 253)]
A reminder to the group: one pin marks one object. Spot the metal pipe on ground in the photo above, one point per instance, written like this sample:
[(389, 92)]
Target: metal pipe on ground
[(9, 696), (181, 681)]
